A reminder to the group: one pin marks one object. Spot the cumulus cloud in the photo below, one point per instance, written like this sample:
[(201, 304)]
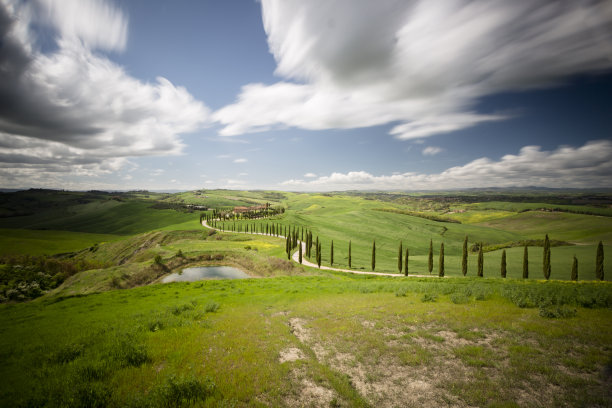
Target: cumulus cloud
[(310, 175), (568, 167), (424, 64), (431, 150), (72, 110), (240, 160)]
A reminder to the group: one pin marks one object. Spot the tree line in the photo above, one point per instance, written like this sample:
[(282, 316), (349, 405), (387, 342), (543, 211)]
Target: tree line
[(294, 235)]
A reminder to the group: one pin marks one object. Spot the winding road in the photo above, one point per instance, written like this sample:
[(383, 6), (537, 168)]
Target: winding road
[(295, 257)]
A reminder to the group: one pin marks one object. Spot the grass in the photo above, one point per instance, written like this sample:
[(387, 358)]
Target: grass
[(32, 242), (102, 217), (163, 343)]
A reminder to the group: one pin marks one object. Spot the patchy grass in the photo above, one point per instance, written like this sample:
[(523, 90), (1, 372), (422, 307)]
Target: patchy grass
[(211, 343)]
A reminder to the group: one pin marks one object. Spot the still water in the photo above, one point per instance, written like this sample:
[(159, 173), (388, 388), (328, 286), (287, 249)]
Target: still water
[(205, 272)]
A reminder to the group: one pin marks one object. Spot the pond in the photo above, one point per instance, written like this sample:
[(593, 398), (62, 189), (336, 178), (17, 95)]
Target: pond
[(205, 272)]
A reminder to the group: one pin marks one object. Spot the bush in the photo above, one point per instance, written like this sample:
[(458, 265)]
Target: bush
[(129, 353), (67, 353), (428, 297), (181, 391), (556, 312), (459, 298), (211, 307), (158, 260), (400, 292)]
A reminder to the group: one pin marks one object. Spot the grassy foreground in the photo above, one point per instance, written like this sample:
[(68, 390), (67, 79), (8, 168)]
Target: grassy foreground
[(330, 340)]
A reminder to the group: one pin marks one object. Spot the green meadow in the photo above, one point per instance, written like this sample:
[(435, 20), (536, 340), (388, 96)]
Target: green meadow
[(85, 321)]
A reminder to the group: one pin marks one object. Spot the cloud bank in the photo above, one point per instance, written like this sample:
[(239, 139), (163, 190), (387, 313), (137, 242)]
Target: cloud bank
[(70, 109), (421, 64), (565, 167)]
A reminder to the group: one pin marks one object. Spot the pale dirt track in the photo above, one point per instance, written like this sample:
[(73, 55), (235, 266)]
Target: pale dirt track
[(305, 262)]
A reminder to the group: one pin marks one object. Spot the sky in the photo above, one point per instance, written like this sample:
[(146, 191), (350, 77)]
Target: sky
[(305, 95)]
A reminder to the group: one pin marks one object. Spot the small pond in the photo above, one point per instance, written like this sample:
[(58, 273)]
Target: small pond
[(205, 272)]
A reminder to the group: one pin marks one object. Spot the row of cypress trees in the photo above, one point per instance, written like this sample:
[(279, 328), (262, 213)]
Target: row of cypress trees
[(292, 237)]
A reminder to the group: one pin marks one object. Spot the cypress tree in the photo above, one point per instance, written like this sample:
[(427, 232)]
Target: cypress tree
[(406, 263), (503, 264), (331, 254), (373, 255), (525, 263), (599, 262), (399, 258), (546, 263), (430, 257), (349, 254), (574, 276), (300, 253), (480, 261), (309, 247), (464, 255), (441, 261), (319, 254), (287, 248)]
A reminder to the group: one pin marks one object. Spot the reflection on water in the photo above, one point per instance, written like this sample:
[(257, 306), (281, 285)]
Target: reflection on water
[(205, 272)]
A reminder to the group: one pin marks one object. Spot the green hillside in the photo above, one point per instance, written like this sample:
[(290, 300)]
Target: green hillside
[(84, 320)]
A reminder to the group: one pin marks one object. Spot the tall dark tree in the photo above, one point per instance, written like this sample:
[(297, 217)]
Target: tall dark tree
[(574, 276), (480, 261), (599, 262), (441, 261), (399, 258), (319, 254), (406, 263), (288, 247), (503, 264), (331, 254), (546, 260), (525, 263), (300, 253), (374, 255), (464, 256), (349, 257), (430, 257)]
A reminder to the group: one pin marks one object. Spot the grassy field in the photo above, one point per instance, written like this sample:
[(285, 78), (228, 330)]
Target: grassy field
[(312, 341), (292, 335), (33, 242)]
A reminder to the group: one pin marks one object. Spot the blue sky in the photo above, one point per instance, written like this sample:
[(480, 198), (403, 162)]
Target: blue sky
[(311, 96)]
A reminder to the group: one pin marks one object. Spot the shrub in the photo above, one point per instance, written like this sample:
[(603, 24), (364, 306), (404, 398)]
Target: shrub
[(211, 307), (429, 297), (129, 353), (180, 391), (92, 395), (400, 292), (158, 260), (555, 311), (459, 298), (67, 353)]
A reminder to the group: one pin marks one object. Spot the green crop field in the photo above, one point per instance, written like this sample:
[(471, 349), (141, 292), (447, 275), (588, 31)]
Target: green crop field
[(85, 321)]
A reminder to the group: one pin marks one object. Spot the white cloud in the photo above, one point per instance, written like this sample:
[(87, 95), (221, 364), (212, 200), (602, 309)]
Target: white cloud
[(569, 167), (241, 160), (310, 175), (74, 111), (424, 64), (431, 150), (95, 23)]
